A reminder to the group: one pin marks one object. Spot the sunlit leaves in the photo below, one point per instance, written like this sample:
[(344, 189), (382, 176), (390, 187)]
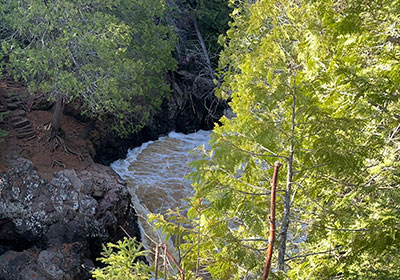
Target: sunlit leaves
[(121, 262), (335, 62)]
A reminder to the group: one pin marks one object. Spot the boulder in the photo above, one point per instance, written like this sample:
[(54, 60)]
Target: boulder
[(54, 229)]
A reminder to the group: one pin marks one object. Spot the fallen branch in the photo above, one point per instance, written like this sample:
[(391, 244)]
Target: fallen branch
[(203, 47)]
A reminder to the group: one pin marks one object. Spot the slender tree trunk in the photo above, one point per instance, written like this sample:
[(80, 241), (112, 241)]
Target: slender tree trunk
[(268, 259), (289, 180), (181, 271), (57, 113), (286, 215), (157, 255), (203, 47), (165, 261), (198, 249)]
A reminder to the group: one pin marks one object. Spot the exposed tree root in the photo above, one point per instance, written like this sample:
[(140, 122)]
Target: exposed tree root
[(58, 141), (59, 163), (67, 149)]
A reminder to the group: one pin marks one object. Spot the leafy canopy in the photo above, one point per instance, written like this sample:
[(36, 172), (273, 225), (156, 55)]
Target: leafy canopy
[(314, 84), (108, 55)]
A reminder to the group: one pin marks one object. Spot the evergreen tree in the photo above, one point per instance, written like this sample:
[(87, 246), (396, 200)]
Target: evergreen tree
[(315, 85), (122, 262), (358, 224), (108, 55)]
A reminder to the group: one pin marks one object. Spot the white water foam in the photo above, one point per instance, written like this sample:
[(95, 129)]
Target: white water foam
[(155, 173)]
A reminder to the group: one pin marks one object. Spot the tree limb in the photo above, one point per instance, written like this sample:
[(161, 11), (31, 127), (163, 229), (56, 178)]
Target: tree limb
[(268, 259)]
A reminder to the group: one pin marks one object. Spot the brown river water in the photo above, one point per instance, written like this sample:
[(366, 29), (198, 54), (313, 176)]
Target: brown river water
[(155, 173)]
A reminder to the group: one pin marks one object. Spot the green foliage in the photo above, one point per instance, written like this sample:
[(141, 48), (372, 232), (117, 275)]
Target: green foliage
[(314, 84), (184, 227), (359, 219), (108, 55), (212, 17), (121, 262)]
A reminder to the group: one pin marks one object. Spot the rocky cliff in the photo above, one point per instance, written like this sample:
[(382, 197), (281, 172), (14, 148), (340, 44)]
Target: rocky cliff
[(53, 229)]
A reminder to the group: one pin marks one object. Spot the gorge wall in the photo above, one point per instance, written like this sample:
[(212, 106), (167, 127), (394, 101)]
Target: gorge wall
[(54, 229)]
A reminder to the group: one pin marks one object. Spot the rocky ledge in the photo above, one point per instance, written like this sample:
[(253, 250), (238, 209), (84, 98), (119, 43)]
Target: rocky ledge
[(54, 229)]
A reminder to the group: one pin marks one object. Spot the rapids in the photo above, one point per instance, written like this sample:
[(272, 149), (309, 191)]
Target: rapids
[(155, 173)]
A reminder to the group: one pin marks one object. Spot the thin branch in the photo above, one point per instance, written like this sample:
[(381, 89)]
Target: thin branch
[(240, 181), (164, 246), (156, 262), (182, 272), (347, 229), (308, 195), (254, 240), (250, 193), (268, 259), (127, 234), (312, 254), (273, 155)]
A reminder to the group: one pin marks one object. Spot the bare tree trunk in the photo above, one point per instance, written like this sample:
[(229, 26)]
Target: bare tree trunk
[(203, 47), (286, 215), (289, 179), (57, 113), (165, 261), (268, 259), (157, 255)]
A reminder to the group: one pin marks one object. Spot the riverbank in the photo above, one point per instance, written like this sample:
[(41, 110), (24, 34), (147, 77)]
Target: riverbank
[(27, 124), (58, 204)]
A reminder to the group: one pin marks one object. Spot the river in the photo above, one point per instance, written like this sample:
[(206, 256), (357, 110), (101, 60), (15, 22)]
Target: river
[(155, 173)]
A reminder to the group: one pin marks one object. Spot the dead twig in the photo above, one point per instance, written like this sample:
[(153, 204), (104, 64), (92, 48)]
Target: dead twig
[(127, 234), (165, 261), (166, 255), (313, 254)]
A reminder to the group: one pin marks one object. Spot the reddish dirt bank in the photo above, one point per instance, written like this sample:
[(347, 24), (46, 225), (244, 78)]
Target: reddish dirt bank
[(57, 207), (28, 133)]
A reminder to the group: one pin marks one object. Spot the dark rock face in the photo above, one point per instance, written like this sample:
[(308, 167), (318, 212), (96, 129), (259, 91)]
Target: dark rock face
[(54, 230)]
